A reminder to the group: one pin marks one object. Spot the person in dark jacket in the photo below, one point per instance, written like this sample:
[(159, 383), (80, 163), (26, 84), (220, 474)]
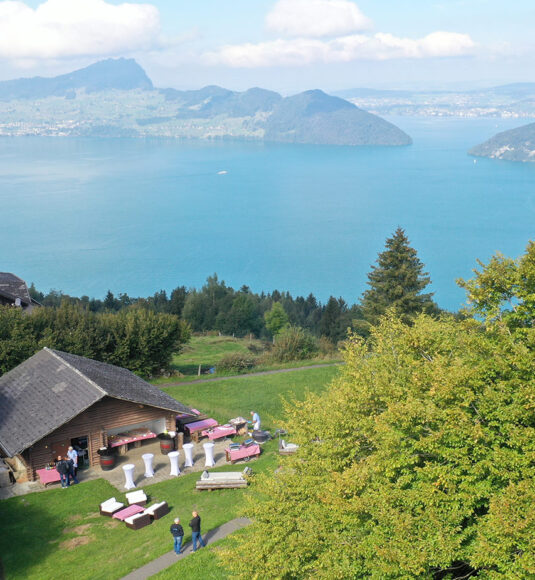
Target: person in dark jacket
[(63, 469), (195, 526), (71, 475), (178, 535)]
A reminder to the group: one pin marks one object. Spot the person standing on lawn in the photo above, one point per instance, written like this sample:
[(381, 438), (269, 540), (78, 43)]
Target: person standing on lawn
[(73, 456), (63, 469), (256, 421), (195, 526), (70, 464), (178, 535)]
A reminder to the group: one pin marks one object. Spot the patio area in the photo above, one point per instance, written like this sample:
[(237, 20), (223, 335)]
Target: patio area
[(116, 476)]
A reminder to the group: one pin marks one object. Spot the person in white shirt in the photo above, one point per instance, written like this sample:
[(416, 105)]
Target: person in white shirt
[(73, 456), (256, 420)]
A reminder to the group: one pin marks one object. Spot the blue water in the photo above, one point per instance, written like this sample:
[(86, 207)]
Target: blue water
[(87, 215)]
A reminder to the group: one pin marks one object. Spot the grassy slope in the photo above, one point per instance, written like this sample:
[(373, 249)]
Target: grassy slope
[(39, 530), (208, 351), (226, 399)]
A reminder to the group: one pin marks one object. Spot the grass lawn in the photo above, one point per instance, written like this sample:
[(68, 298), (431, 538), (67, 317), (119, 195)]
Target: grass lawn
[(207, 351), (59, 532), (223, 400)]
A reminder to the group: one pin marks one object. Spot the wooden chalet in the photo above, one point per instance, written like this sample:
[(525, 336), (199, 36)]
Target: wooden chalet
[(14, 292), (55, 399)]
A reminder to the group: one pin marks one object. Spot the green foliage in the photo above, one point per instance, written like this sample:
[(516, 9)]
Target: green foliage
[(276, 319), (137, 339), (420, 457), (236, 362), (505, 289), (397, 282), (293, 343)]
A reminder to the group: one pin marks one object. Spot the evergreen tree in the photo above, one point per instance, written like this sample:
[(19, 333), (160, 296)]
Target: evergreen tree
[(397, 282)]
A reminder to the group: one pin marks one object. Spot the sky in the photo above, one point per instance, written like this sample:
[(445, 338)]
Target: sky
[(284, 45)]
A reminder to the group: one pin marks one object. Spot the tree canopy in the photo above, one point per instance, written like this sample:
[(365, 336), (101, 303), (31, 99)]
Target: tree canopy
[(397, 281), (418, 459)]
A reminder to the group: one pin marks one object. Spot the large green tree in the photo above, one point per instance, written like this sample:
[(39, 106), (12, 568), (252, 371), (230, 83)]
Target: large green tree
[(418, 462), (397, 281)]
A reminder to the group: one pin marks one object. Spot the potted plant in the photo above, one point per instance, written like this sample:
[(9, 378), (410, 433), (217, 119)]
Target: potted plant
[(167, 441), (107, 458)]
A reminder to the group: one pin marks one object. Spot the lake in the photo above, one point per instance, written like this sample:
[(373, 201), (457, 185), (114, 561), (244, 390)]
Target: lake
[(136, 216)]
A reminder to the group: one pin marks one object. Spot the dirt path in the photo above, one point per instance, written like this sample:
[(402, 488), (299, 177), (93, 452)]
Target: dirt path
[(244, 376)]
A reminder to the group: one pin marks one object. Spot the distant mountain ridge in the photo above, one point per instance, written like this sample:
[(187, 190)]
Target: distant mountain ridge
[(513, 145), (115, 97), (122, 74)]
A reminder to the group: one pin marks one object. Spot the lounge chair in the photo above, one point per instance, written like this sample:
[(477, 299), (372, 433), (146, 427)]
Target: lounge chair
[(110, 506), (287, 448), (137, 497), (157, 510), (221, 480), (138, 521)]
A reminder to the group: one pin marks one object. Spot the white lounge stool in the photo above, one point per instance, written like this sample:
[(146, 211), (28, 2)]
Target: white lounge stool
[(110, 506)]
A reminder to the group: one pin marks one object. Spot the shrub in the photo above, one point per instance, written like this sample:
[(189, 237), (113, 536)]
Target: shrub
[(294, 343), (236, 362)]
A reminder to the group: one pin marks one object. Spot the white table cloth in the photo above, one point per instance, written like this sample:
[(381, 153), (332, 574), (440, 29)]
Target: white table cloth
[(188, 452), (173, 458), (209, 452), (147, 460), (129, 475)]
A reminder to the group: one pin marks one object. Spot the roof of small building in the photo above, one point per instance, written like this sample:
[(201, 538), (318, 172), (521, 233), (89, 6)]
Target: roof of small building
[(52, 387), (13, 287)]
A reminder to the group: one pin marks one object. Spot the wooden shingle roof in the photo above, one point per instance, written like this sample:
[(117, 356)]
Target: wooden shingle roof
[(52, 387)]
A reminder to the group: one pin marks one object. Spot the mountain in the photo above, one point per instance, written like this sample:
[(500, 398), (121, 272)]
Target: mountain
[(317, 118), (122, 74), (115, 98), (513, 145)]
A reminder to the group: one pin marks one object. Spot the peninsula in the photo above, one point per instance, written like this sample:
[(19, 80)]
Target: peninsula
[(116, 98)]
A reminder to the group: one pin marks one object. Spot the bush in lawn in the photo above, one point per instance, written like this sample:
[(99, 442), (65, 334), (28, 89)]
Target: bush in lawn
[(326, 346), (236, 362), (294, 343)]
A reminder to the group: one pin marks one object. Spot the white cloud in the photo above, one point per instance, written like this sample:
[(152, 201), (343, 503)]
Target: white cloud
[(380, 46), (72, 28), (316, 18)]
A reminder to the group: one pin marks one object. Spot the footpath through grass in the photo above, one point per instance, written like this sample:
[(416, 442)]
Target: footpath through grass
[(207, 351)]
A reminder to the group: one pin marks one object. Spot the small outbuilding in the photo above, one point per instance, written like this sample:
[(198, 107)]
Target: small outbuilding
[(55, 399)]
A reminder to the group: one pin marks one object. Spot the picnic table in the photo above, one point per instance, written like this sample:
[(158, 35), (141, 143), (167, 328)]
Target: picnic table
[(199, 426), (122, 440), (131, 510), (219, 432), (243, 452), (47, 476)]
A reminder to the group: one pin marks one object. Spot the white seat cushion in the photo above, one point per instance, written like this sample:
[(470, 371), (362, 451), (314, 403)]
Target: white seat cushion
[(111, 505), (136, 496), (131, 519), (153, 508)]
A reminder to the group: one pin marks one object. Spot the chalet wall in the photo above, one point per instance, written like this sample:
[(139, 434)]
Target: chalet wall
[(94, 422)]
